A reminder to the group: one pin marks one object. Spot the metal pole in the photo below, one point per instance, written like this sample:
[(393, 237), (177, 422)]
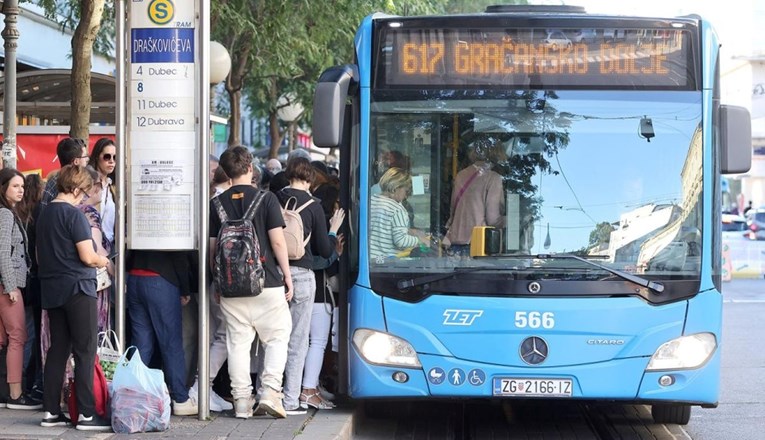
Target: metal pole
[(10, 35), (120, 121), (203, 120)]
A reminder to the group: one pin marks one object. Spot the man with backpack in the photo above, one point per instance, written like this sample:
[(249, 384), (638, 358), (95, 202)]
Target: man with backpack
[(252, 282)]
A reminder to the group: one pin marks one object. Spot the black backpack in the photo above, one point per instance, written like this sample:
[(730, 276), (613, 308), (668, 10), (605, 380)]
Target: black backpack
[(238, 267)]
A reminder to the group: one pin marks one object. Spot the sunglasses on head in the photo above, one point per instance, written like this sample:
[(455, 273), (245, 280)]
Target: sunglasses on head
[(109, 157)]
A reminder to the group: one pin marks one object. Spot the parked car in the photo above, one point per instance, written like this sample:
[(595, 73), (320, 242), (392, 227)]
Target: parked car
[(755, 222), (734, 227), (557, 40), (584, 36)]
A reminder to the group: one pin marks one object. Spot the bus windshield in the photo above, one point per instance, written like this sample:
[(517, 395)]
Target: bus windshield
[(613, 176)]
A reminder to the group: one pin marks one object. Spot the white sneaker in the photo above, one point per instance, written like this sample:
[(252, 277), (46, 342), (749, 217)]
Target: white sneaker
[(271, 403), (296, 411), (187, 408), (218, 403), (244, 407), (194, 392)]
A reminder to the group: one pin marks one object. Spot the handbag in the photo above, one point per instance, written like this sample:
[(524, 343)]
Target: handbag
[(140, 401), (100, 393), (109, 352), (103, 279)]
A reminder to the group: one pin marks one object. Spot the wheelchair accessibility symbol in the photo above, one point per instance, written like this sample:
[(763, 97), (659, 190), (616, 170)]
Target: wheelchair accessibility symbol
[(476, 377)]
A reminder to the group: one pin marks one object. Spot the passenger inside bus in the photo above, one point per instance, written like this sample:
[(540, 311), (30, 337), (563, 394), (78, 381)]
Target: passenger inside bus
[(390, 232), (477, 196), (393, 159)]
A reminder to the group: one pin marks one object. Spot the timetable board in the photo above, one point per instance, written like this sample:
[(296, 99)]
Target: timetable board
[(162, 124)]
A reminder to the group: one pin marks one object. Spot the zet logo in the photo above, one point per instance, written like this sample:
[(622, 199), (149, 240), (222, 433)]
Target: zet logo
[(161, 11), (461, 317)]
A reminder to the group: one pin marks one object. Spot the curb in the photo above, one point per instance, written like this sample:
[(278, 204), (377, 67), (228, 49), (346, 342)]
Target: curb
[(335, 424)]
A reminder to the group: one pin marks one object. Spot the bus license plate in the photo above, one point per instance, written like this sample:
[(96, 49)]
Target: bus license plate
[(531, 387)]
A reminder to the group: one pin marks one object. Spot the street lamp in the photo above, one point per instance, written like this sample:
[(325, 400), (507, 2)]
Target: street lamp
[(219, 68), (10, 33), (220, 62), (288, 109)]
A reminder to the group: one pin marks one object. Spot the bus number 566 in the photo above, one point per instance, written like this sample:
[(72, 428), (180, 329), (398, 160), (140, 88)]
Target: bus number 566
[(534, 319)]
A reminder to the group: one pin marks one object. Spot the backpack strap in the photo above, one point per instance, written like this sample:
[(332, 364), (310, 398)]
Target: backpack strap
[(250, 213), (293, 199), (219, 208), (302, 207)]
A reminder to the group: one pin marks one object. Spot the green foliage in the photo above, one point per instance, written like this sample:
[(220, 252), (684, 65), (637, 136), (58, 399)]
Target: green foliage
[(292, 42), (601, 235), (283, 47), (67, 14), (469, 6)]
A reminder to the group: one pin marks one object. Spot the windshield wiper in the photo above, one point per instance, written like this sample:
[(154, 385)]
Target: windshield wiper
[(656, 287), (405, 284)]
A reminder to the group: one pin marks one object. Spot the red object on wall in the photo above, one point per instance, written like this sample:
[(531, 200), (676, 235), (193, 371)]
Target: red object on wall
[(36, 153)]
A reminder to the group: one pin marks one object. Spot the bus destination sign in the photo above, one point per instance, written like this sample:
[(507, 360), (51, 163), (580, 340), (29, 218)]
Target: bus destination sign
[(635, 58)]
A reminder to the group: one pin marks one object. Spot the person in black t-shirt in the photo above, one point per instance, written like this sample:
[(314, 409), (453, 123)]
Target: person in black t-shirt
[(67, 261), (320, 242), (266, 314)]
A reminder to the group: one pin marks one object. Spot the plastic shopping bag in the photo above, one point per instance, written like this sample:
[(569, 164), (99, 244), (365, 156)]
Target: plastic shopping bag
[(140, 401), (109, 352)]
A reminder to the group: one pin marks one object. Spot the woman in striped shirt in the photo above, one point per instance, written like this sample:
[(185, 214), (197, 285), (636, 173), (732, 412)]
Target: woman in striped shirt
[(389, 231)]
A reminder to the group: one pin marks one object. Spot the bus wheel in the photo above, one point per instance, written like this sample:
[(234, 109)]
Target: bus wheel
[(666, 413)]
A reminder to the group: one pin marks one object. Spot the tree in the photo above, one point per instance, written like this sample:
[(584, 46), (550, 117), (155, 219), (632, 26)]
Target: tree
[(235, 23), (601, 235), (280, 48), (84, 37), (84, 16), (466, 6)]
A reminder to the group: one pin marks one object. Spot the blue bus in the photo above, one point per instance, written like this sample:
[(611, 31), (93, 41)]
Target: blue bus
[(595, 274)]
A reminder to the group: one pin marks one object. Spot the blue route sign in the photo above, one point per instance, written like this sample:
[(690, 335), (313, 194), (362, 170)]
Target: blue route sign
[(162, 45)]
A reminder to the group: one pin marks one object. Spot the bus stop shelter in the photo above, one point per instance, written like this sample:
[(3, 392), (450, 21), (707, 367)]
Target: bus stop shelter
[(43, 97)]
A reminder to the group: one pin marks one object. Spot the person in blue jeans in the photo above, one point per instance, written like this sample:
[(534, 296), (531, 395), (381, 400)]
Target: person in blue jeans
[(159, 284)]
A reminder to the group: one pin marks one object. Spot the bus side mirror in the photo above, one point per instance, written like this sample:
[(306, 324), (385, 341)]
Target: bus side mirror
[(735, 139), (329, 104)]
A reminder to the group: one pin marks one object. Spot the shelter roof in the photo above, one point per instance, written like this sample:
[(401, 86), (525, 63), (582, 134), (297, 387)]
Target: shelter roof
[(46, 94)]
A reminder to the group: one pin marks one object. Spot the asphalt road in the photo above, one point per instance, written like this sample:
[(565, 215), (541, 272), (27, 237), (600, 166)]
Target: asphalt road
[(741, 414)]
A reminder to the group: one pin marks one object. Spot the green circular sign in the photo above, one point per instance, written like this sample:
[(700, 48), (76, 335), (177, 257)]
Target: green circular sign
[(161, 11)]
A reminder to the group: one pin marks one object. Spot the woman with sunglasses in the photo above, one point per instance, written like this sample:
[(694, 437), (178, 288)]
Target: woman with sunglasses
[(103, 159), (89, 206)]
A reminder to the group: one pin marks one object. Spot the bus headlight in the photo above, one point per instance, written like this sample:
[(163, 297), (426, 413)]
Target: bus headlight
[(385, 349), (684, 352)]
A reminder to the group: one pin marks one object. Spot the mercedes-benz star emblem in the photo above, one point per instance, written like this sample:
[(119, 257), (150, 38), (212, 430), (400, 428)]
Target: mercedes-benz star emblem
[(533, 350)]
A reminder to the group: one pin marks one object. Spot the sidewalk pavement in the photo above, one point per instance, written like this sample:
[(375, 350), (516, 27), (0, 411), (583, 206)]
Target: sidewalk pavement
[(314, 425)]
